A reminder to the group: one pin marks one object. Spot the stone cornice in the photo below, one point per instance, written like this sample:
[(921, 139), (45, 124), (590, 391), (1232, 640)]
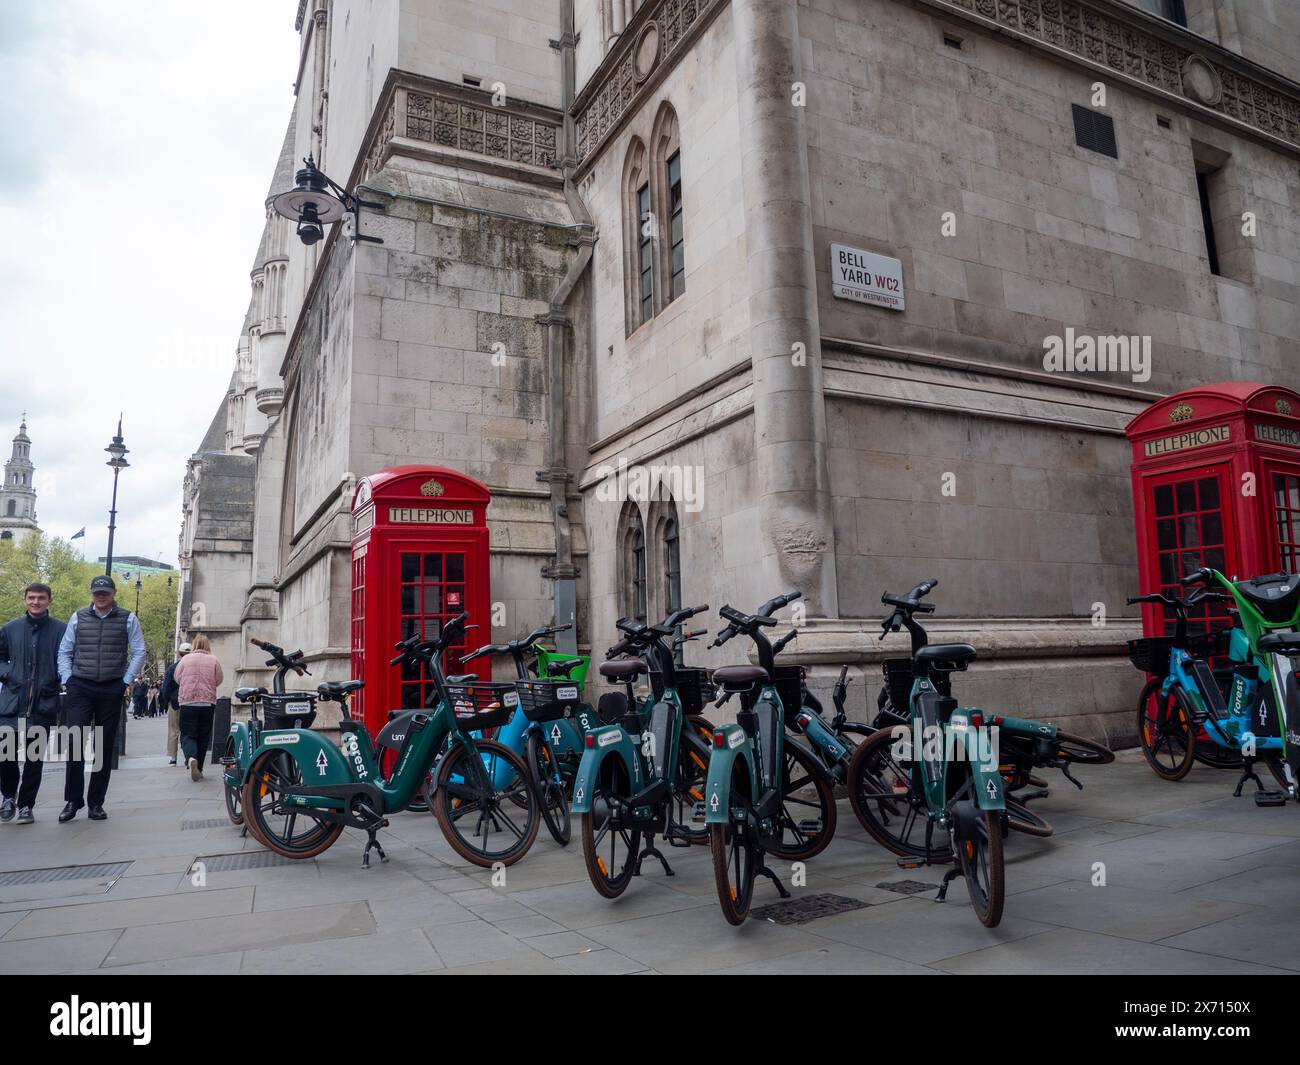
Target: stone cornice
[(1148, 53), (648, 48)]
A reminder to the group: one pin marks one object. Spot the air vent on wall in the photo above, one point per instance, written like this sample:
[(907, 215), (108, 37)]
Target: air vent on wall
[(1094, 131)]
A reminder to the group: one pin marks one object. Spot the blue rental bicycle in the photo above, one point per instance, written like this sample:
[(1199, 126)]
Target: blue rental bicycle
[(549, 731), (1184, 697)]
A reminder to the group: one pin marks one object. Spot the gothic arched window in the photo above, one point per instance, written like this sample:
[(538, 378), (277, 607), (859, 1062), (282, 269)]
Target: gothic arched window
[(632, 563)]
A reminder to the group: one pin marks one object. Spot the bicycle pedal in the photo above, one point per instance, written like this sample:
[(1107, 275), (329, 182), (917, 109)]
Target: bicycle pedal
[(698, 813), (813, 825), (1271, 798), (910, 863)]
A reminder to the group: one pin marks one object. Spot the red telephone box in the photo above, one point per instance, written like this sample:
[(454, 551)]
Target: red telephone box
[(419, 557), (1216, 482)]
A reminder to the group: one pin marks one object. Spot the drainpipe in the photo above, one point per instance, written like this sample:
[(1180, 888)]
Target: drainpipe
[(798, 540), (556, 320)]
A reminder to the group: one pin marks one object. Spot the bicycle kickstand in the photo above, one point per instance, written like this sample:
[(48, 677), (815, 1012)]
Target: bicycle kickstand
[(1247, 773), (373, 843), (780, 887), (650, 851), (951, 875)]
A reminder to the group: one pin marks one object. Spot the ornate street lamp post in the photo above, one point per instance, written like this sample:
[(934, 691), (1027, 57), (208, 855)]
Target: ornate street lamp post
[(117, 452)]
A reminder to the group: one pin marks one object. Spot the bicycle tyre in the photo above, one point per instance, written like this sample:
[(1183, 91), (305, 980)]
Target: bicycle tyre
[(983, 854), (874, 771), (454, 800), (1157, 732), (1020, 818), (727, 842), (270, 771), (551, 798), (610, 881), (808, 845)]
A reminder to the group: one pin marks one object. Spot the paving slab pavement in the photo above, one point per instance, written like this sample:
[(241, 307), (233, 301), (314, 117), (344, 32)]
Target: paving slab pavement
[(1142, 876)]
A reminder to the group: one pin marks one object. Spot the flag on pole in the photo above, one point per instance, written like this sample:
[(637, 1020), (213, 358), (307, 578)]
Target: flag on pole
[(79, 533)]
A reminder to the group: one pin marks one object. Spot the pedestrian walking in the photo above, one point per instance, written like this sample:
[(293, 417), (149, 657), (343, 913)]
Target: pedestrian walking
[(100, 656), (29, 698), (139, 697), (167, 696), (153, 699), (198, 675)]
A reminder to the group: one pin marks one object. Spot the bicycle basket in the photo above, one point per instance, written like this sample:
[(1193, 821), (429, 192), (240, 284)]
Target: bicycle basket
[(288, 709), (482, 706), (1151, 654), (1209, 644), (899, 676), (545, 700), (789, 686), (695, 689)]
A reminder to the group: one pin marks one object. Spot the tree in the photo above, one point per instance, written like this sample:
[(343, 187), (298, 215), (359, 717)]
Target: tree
[(40, 557)]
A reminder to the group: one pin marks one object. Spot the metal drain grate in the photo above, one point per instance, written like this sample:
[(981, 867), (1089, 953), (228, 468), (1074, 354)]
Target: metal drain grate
[(808, 908), (207, 822), (908, 887), (64, 872), (226, 863)]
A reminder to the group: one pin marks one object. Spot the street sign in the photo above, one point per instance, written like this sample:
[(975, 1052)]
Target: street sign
[(864, 276)]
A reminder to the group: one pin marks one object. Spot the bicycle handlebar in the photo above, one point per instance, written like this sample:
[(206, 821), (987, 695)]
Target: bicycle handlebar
[(280, 658)]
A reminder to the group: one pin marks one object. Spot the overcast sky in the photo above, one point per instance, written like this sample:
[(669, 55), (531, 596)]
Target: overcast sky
[(137, 141)]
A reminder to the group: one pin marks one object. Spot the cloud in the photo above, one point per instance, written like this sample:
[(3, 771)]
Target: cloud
[(138, 143)]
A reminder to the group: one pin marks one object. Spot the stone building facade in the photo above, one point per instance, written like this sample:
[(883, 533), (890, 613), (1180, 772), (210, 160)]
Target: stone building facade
[(608, 231)]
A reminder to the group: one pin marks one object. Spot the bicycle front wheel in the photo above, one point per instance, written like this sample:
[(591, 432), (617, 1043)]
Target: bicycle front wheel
[(483, 824), (808, 813), (1164, 724), (886, 804)]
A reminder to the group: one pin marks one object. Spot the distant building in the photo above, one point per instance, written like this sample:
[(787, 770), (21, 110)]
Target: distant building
[(139, 567), (18, 494)]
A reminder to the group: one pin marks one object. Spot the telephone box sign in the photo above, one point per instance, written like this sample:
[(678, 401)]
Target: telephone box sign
[(864, 276), (1277, 434), (430, 516), (1215, 434)]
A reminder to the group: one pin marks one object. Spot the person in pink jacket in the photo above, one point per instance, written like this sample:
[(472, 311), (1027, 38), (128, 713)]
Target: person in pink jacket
[(197, 676)]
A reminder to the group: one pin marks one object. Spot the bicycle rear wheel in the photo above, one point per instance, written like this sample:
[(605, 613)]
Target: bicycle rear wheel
[(603, 836), (735, 856), (981, 863), (551, 797), (1164, 724), (480, 822), (807, 821), (884, 801)]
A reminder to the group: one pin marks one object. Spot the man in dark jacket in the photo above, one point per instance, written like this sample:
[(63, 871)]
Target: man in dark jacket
[(29, 648), (99, 657)]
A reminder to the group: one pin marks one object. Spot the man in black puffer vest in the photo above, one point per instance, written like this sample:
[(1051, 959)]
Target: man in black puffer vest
[(101, 654)]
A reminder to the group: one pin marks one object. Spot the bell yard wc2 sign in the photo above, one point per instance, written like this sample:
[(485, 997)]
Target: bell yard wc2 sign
[(866, 277)]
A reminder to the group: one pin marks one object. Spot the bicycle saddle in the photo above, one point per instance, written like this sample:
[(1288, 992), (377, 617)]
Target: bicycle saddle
[(245, 695), (564, 664), (1281, 643), (463, 678), (334, 689), (740, 675), (623, 668), (944, 657)]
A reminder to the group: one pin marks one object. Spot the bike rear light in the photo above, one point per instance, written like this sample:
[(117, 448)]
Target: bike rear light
[(996, 719), (803, 720), (591, 741), (719, 740), (977, 720)]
